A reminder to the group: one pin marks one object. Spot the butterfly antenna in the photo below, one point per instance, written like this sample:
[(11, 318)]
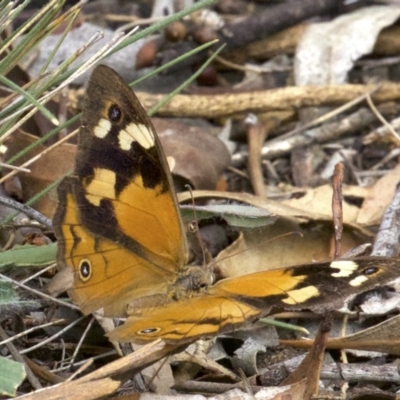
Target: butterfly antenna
[(194, 229)]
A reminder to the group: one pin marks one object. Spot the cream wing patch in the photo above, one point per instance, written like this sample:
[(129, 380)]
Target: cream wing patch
[(345, 267), (135, 133), (102, 128), (301, 295), (358, 281), (102, 185)]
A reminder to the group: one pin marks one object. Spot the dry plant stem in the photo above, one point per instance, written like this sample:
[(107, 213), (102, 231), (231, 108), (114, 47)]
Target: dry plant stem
[(387, 239), (27, 331), (256, 134), (41, 272), (310, 367), (282, 42), (17, 357), (100, 389), (134, 362), (103, 52), (43, 100), (81, 369), (396, 137), (11, 97), (38, 293), (250, 67), (19, 169), (382, 133), (311, 315), (350, 372), (29, 211), (129, 18), (352, 123), (211, 387), (337, 208), (83, 337), (84, 363), (343, 353), (384, 346), (392, 154), (286, 41), (273, 19), (51, 338), (327, 116), (63, 111), (200, 358), (288, 98), (43, 373), (38, 156)]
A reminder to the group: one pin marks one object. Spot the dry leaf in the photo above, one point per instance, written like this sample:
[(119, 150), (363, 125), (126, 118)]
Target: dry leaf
[(383, 337), (44, 171), (327, 51), (379, 197), (198, 156), (320, 201)]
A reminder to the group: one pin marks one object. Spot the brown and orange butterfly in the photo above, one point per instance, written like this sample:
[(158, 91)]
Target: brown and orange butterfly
[(122, 242)]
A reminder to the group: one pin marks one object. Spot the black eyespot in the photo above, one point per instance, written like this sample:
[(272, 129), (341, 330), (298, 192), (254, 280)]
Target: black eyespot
[(114, 113), (85, 270), (370, 271), (148, 331)]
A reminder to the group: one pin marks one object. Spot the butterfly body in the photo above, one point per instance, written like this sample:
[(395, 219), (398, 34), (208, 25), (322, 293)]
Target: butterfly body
[(123, 245)]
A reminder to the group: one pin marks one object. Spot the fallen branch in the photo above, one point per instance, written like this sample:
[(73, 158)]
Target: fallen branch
[(289, 98)]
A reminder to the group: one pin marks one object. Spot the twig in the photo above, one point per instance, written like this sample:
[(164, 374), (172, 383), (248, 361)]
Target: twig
[(51, 338), (27, 331), (38, 293), (387, 239), (255, 137), (337, 207), (29, 211), (278, 148), (396, 137), (17, 357), (338, 371), (288, 98)]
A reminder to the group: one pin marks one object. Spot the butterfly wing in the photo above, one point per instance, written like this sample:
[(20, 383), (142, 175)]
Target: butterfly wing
[(232, 302), (117, 224)]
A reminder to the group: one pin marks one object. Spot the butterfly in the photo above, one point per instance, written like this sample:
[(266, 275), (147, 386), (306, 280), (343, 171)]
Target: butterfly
[(123, 249)]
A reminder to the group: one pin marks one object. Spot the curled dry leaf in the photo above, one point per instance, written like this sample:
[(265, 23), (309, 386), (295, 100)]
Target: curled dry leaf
[(299, 236), (320, 201), (327, 51), (44, 171), (236, 215), (379, 196), (283, 244), (383, 337), (198, 156)]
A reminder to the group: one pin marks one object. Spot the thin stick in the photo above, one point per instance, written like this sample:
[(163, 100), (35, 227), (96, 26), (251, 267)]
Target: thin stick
[(337, 207), (17, 357)]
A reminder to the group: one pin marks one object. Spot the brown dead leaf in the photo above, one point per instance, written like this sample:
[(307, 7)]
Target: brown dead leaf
[(310, 368), (327, 51), (296, 391), (279, 243), (199, 157), (44, 171), (273, 207), (383, 337), (379, 197), (76, 390), (320, 201)]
